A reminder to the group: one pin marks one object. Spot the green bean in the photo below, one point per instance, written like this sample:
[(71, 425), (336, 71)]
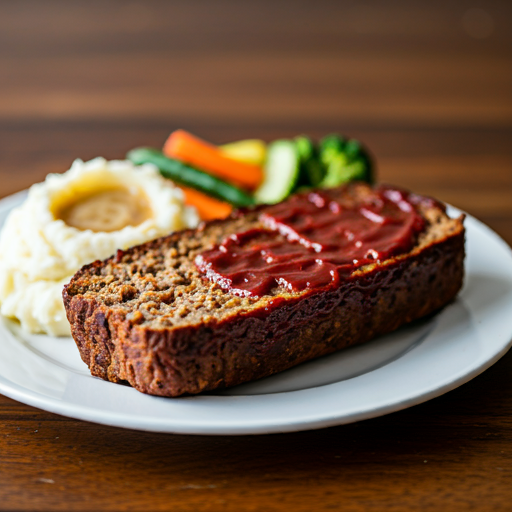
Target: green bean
[(184, 174)]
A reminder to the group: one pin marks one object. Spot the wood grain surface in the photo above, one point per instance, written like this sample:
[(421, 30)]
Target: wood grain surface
[(426, 85)]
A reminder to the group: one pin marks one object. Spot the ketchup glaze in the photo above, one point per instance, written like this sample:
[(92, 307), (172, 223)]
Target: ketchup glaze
[(313, 240)]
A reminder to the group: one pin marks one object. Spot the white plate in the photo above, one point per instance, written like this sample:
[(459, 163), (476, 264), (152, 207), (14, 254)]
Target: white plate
[(410, 366)]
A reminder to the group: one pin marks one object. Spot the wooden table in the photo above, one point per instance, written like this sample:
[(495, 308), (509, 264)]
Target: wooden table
[(428, 86)]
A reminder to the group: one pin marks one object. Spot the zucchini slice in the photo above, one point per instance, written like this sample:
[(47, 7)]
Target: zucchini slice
[(281, 172)]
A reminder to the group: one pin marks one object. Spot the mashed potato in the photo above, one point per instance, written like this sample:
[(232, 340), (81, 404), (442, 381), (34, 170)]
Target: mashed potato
[(72, 219)]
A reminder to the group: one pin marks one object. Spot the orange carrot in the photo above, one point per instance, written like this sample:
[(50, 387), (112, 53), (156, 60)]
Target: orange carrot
[(186, 147), (207, 207)]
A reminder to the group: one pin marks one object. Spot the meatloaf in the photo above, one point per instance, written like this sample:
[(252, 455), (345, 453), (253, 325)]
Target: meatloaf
[(150, 317)]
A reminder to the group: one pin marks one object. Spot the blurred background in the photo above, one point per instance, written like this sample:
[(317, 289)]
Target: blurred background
[(426, 85)]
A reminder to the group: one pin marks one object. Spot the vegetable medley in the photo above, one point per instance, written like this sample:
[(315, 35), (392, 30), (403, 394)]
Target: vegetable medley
[(217, 178)]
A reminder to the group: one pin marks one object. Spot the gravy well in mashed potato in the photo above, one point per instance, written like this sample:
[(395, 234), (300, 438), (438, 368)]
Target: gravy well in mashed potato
[(107, 211)]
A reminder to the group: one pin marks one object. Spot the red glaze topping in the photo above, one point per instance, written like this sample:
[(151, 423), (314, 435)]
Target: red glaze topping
[(312, 240)]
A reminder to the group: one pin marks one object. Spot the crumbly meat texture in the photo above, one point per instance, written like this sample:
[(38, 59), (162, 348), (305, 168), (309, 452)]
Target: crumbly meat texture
[(147, 316)]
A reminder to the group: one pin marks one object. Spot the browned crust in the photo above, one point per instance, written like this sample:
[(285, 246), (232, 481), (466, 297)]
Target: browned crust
[(188, 359)]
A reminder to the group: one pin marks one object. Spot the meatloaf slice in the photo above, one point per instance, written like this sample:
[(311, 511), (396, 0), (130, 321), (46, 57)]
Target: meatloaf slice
[(149, 317)]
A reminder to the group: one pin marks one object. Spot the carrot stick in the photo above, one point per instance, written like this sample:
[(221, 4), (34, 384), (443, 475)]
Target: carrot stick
[(205, 156), (208, 207)]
